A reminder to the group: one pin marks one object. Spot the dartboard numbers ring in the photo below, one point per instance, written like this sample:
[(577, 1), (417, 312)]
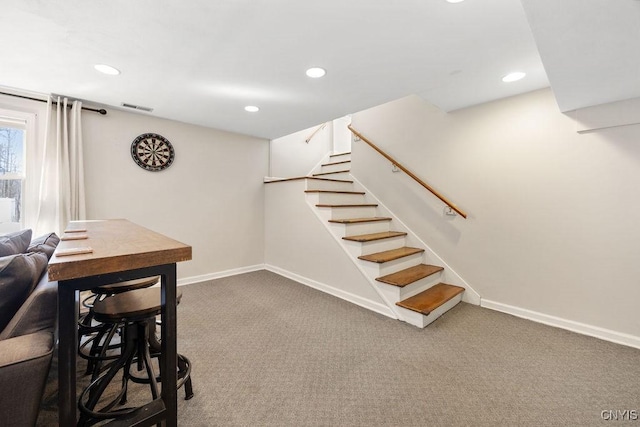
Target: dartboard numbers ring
[(152, 152)]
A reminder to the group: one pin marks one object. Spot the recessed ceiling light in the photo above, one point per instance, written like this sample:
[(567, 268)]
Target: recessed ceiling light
[(251, 108), (513, 77), (455, 1), (316, 72), (107, 69)]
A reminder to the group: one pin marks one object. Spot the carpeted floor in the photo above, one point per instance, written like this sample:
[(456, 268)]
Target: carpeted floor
[(270, 352)]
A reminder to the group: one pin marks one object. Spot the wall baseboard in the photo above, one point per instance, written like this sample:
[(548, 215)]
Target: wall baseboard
[(220, 274), (534, 316), (347, 296), (570, 325)]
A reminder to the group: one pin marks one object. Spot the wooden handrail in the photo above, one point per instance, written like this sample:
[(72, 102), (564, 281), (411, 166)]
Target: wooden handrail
[(315, 131), (408, 172)]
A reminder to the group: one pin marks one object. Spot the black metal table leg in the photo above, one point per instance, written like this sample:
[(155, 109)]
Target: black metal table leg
[(68, 306), (169, 352)]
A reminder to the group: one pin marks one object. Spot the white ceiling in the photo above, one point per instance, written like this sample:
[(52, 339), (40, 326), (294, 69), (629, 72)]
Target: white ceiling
[(202, 61)]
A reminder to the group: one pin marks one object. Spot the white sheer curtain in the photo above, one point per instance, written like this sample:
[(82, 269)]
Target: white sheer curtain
[(61, 195)]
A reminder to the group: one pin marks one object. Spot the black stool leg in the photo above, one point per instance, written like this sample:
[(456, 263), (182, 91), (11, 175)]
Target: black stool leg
[(99, 385), (184, 365), (184, 371), (143, 361), (147, 361), (101, 355)]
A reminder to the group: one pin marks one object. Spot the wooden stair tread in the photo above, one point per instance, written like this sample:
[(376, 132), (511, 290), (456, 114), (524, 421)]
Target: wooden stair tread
[(374, 236), (391, 255), (340, 154), (409, 275), (329, 179), (297, 178), (427, 301), (357, 205), (359, 220), (334, 192), (337, 163), (331, 173)]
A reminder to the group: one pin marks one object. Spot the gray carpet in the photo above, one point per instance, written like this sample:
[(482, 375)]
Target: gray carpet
[(268, 351)]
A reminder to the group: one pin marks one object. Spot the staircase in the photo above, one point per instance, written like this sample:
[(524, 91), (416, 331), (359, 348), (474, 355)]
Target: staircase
[(400, 274)]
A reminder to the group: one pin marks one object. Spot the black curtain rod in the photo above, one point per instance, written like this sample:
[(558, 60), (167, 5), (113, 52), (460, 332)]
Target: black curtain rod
[(101, 111)]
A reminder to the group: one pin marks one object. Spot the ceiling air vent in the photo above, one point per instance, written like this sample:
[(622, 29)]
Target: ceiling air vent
[(137, 107)]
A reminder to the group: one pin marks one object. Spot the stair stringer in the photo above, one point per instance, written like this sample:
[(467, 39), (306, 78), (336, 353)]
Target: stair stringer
[(397, 311), (285, 205), (369, 272), (383, 296), (449, 274)]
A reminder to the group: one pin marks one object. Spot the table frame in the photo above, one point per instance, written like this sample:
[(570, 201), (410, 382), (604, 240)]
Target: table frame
[(68, 309)]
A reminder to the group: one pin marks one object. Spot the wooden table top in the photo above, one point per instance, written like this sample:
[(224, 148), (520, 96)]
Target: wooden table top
[(118, 245)]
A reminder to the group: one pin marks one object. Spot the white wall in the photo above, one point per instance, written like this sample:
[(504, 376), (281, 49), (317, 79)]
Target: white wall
[(552, 224), (341, 135), (292, 156), (211, 198)]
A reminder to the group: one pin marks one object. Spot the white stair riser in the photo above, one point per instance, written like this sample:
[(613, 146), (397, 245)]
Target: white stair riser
[(420, 285), (328, 213), (316, 184), (340, 158), (375, 269), (352, 212), (362, 228), (336, 167), (396, 293), (381, 245), (357, 249), (420, 320), (341, 175), (334, 198)]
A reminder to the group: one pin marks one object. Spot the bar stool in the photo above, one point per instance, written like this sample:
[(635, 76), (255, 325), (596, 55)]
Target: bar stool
[(137, 311), (100, 334)]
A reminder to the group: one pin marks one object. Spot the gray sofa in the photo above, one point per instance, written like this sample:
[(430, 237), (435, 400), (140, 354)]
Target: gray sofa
[(28, 313)]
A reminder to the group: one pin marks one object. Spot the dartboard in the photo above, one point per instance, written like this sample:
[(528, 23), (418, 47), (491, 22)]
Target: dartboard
[(152, 152)]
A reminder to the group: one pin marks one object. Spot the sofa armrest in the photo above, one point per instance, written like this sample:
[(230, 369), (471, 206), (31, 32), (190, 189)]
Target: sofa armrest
[(24, 366), (23, 349), (38, 313)]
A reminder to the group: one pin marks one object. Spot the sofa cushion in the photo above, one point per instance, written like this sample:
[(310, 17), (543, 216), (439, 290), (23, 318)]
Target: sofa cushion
[(38, 313), (46, 244), (15, 243), (19, 274), (24, 362)]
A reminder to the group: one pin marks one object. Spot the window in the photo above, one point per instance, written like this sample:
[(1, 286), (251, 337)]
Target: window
[(13, 133)]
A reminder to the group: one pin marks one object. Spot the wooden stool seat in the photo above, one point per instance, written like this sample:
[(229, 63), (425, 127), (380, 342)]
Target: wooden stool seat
[(90, 333), (129, 285), (130, 306)]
